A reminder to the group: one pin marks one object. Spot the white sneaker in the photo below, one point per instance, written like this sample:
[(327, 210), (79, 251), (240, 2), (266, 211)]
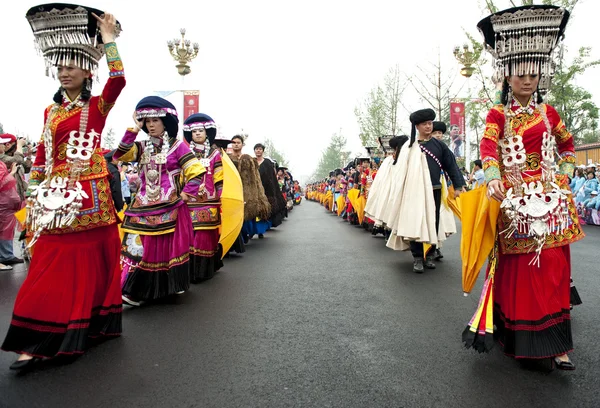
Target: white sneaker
[(130, 302)]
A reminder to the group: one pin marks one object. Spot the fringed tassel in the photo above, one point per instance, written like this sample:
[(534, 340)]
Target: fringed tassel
[(479, 333)]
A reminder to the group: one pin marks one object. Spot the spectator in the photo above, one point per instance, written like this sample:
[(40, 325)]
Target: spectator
[(11, 151), (578, 180), (10, 203), (478, 177), (591, 184), (134, 181), (592, 202), (125, 190)]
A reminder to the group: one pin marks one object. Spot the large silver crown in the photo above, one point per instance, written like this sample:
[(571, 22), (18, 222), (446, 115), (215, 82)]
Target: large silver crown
[(522, 40), (64, 33)]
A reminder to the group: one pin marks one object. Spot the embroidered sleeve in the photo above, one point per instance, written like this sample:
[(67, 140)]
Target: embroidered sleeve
[(116, 79), (489, 145), (450, 167), (564, 142), (218, 175), (128, 150), (193, 171)]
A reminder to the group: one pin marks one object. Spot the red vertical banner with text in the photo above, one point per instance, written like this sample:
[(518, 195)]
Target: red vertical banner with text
[(457, 128), (191, 103)]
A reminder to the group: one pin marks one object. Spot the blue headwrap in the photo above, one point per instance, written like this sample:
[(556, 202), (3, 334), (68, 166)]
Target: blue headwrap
[(156, 107), (200, 121)]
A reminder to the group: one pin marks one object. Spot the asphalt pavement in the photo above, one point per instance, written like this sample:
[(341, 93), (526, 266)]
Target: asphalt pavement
[(317, 314)]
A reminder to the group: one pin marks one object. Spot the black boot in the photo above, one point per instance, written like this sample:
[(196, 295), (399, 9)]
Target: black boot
[(418, 265), (429, 264), (437, 255)]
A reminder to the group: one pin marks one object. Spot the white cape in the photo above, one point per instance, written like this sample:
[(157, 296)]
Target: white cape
[(412, 210), (379, 192), (447, 220)]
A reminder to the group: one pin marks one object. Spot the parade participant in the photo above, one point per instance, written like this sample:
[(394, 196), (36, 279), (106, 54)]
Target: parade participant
[(268, 177), (447, 222), (232, 210), (199, 130), (427, 160), (237, 144), (71, 294), (538, 220), (378, 203), (158, 217), (257, 209)]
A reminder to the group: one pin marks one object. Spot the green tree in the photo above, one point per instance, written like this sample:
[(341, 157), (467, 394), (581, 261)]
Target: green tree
[(333, 157), (1, 128), (272, 152), (574, 103), (378, 114)]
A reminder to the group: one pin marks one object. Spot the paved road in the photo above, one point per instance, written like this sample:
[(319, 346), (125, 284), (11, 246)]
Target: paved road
[(318, 314)]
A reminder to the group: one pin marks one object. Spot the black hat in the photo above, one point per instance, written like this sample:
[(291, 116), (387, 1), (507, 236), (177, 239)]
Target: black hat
[(439, 127), (199, 121), (522, 40), (68, 31), (157, 107), (420, 116)]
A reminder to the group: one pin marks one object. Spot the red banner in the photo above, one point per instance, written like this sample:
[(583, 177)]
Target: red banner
[(457, 128), (191, 103)]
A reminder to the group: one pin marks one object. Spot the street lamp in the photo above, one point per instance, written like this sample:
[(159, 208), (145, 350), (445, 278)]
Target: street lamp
[(183, 51), (467, 58)]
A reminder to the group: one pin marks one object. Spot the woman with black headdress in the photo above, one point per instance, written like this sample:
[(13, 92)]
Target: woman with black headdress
[(158, 223), (199, 130), (71, 294), (531, 266)]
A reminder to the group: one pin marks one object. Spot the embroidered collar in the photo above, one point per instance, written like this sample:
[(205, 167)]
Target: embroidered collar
[(517, 108)]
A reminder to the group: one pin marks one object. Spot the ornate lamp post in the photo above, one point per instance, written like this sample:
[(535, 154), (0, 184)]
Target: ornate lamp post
[(183, 51), (467, 58)]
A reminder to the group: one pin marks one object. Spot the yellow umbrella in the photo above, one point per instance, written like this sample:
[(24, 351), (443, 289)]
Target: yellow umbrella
[(454, 203), (232, 204), (341, 204), (479, 217), (21, 215)]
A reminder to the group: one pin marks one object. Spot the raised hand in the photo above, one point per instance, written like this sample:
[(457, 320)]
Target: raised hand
[(107, 23), (139, 124)]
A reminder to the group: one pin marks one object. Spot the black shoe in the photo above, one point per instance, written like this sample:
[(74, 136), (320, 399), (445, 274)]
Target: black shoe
[(24, 365), (13, 261), (429, 264), (260, 236), (563, 365), (437, 255), (418, 265)]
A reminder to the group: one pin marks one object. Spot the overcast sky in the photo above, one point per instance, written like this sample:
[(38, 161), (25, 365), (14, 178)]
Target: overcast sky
[(289, 71)]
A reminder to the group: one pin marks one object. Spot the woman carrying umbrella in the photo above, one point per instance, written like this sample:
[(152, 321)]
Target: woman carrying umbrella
[(538, 220), (158, 225), (199, 130)]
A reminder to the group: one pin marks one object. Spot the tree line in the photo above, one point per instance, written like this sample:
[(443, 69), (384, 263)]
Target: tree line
[(436, 85)]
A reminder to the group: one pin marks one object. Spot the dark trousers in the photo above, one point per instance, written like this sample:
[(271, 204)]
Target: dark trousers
[(417, 247)]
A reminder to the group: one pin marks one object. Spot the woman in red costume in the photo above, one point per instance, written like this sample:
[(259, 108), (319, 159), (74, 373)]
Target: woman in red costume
[(538, 220), (71, 294)]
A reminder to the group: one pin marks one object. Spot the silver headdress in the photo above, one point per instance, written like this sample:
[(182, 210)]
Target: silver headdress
[(67, 32), (522, 40)]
